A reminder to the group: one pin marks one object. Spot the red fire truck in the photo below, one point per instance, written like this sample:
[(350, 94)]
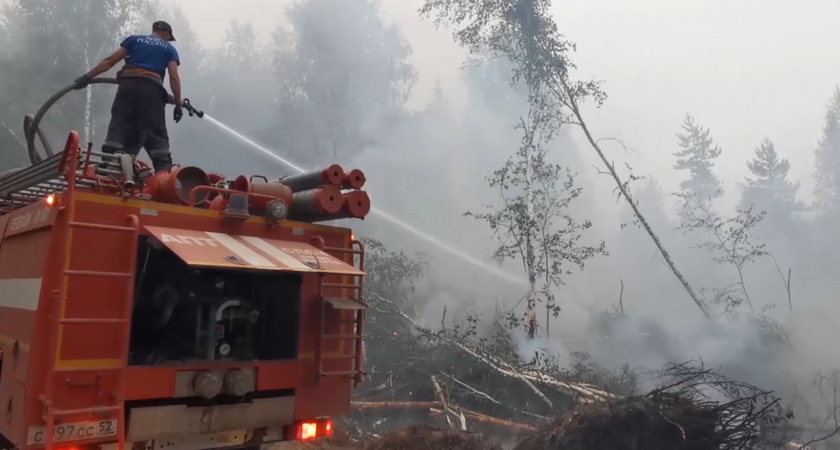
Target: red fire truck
[(176, 310)]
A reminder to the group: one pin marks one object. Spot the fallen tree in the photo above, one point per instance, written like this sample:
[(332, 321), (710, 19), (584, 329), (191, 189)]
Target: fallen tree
[(695, 409), (478, 381), (479, 373), (436, 409)]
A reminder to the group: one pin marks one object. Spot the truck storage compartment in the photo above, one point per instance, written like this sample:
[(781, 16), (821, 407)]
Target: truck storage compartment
[(188, 314)]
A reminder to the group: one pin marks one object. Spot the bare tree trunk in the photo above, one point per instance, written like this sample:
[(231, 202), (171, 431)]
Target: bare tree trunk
[(621, 297), (635, 207), (434, 408), (547, 319), (525, 16), (532, 276)]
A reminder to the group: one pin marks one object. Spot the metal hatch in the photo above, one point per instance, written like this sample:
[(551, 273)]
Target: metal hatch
[(345, 304), (208, 249)]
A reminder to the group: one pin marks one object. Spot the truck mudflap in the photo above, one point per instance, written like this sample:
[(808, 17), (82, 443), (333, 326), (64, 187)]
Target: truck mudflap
[(174, 421)]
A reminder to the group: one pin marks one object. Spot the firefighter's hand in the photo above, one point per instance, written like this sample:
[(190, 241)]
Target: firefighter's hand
[(178, 114), (82, 82)]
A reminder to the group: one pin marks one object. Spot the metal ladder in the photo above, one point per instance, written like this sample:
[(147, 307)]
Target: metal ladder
[(51, 412), (358, 321)]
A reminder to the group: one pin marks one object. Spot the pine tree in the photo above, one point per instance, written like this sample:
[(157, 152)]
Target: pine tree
[(827, 156), (769, 188), (697, 155)]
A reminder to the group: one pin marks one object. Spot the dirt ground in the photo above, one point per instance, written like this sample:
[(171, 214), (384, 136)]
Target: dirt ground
[(417, 437), (318, 445)]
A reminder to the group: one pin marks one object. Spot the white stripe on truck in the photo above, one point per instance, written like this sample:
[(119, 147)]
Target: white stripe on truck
[(242, 251), (277, 254)]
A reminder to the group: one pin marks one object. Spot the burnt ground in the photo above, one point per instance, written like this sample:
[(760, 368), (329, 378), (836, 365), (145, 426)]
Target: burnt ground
[(421, 437), (417, 437)]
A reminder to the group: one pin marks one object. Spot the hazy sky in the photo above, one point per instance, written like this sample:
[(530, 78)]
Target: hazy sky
[(747, 68)]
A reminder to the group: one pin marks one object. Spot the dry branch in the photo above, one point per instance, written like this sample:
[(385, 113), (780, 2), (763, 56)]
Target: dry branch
[(490, 398), (579, 390), (367, 406), (445, 405), (436, 408), (574, 107), (484, 419)]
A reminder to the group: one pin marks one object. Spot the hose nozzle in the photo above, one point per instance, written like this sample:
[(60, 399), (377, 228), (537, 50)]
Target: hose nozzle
[(191, 110)]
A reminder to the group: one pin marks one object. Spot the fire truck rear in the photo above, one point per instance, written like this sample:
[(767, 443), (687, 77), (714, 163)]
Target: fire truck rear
[(176, 310)]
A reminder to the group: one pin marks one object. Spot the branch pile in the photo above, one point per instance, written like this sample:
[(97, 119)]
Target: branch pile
[(584, 393), (479, 381), (684, 415), (659, 422)]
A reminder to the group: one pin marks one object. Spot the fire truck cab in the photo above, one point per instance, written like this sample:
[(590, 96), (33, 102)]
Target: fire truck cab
[(171, 310)]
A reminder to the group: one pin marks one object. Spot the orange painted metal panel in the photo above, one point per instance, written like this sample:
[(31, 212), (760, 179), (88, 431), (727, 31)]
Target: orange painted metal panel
[(32, 217), (211, 249), (29, 253), (278, 375), (23, 256), (149, 382), (328, 396)]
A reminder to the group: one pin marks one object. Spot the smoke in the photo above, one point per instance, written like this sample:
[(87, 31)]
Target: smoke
[(429, 167), (426, 159)]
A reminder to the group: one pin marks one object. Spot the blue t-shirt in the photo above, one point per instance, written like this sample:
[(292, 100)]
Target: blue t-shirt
[(150, 52)]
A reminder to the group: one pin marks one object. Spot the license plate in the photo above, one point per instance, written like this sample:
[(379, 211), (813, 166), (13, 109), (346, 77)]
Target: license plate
[(77, 431)]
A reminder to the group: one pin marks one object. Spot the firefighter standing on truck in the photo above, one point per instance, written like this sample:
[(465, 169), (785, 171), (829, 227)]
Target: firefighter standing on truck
[(138, 114)]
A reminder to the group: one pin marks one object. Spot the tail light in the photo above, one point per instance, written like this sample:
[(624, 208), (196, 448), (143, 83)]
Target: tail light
[(308, 430), (302, 431)]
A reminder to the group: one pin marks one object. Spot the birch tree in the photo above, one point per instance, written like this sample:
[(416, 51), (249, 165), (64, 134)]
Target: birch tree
[(531, 223), (524, 32)]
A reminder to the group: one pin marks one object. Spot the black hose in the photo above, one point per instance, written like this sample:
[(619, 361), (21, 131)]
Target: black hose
[(30, 124)]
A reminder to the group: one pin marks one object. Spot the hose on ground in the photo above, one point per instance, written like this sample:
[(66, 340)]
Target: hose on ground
[(31, 124)]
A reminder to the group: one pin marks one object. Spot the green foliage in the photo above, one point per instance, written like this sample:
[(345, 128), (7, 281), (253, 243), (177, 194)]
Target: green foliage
[(325, 89), (535, 196), (697, 154), (827, 159), (731, 243), (392, 275), (402, 354), (524, 33), (769, 188)]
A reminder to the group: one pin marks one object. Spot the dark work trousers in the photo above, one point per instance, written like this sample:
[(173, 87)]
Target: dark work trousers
[(138, 119)]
